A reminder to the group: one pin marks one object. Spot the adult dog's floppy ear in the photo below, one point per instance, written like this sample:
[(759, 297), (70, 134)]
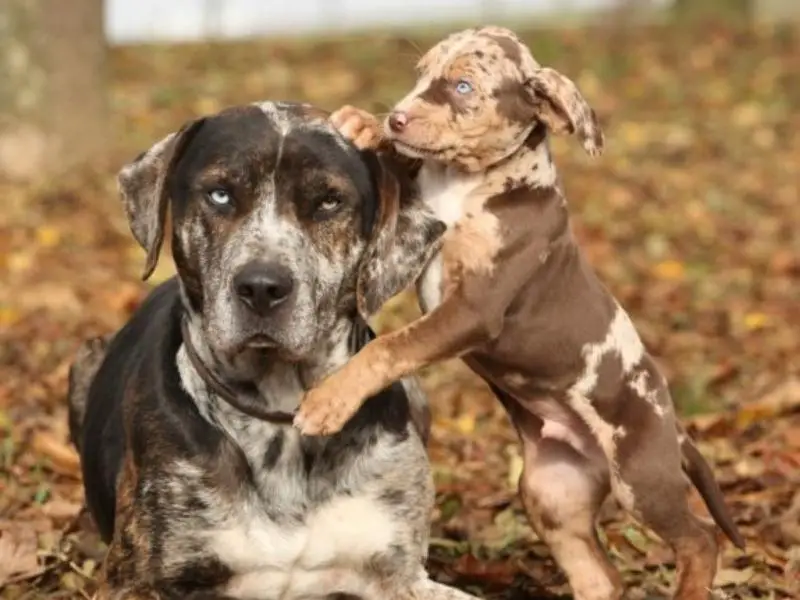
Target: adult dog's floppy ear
[(558, 103), (143, 187), (403, 236)]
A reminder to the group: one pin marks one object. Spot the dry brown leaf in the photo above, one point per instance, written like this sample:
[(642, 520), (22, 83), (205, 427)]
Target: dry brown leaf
[(18, 556), (63, 457)]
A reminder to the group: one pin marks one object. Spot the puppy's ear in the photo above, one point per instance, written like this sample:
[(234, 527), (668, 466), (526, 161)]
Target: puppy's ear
[(403, 234), (142, 185), (558, 103)]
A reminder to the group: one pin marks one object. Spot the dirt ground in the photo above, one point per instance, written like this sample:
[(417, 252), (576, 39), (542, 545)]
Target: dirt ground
[(691, 217)]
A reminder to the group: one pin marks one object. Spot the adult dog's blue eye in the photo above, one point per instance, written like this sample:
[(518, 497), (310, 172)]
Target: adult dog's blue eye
[(330, 203), (463, 86), (219, 197)]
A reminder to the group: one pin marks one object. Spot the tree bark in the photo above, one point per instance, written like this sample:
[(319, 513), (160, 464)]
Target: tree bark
[(53, 113)]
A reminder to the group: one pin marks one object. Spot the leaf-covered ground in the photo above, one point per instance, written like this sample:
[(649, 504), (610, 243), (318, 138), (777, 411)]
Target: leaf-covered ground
[(692, 218)]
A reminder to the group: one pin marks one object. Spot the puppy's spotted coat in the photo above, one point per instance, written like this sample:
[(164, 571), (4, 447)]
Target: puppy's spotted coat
[(511, 294)]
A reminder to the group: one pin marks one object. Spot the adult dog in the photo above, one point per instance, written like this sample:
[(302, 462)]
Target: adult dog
[(191, 468)]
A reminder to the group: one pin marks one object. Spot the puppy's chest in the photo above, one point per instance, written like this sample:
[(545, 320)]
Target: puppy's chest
[(472, 238)]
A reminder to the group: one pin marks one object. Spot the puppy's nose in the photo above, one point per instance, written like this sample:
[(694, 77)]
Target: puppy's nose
[(261, 286), (398, 121)]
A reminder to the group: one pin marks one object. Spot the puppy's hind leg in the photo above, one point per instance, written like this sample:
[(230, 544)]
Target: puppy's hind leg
[(562, 490), (652, 486), (81, 373)]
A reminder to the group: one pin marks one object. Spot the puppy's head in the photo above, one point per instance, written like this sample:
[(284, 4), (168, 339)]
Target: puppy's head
[(478, 95), (280, 226)]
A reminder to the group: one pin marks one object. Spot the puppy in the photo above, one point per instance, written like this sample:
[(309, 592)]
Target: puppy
[(511, 294)]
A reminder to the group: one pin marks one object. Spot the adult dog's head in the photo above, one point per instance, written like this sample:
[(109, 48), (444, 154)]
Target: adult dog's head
[(279, 225)]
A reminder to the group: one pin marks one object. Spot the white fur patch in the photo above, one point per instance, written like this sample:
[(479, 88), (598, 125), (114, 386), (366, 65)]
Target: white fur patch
[(639, 384), (326, 554), (622, 339), (277, 115), (445, 191), (607, 437)]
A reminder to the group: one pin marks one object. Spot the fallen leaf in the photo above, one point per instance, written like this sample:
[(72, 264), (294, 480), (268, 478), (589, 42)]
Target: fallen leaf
[(8, 316), (728, 576), (47, 237), (515, 467), (18, 554), (755, 320), (636, 540), (466, 423), (63, 457), (670, 270)]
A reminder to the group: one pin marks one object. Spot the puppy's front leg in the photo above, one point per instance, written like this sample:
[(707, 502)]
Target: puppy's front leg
[(359, 126), (451, 330)]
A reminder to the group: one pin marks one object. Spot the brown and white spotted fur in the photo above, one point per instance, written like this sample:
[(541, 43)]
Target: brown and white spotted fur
[(513, 296), (278, 224)]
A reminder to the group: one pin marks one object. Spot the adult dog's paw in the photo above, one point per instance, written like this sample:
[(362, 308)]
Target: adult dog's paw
[(358, 126)]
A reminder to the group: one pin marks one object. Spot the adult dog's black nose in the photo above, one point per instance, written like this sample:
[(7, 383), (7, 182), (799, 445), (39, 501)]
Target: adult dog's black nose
[(261, 286)]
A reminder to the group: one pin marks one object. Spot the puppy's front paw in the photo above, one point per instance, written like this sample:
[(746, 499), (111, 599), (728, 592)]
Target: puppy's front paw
[(359, 126), (324, 411)]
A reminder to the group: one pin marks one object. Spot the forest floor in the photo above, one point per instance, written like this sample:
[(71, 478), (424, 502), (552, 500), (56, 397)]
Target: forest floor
[(691, 217)]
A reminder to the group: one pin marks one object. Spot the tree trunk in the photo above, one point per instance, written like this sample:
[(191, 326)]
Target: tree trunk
[(53, 111)]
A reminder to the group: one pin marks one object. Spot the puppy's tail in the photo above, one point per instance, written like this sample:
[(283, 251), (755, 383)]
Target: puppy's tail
[(84, 367), (702, 477)]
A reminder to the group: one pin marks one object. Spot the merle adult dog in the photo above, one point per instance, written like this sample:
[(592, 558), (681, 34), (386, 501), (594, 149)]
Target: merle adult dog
[(285, 238)]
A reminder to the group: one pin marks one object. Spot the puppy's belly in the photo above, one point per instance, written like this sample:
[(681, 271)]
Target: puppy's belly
[(327, 553), (429, 288), (552, 417)]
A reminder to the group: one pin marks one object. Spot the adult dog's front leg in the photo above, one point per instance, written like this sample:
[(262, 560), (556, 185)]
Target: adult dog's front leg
[(449, 331), (107, 593), (427, 589)]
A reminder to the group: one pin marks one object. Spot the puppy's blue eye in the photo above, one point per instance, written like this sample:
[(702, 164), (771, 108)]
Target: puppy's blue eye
[(463, 86), (219, 197)]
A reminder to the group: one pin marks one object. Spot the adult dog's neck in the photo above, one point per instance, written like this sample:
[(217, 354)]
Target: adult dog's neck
[(255, 384)]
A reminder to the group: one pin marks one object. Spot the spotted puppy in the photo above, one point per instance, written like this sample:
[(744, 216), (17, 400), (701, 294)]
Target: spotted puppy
[(512, 295), (191, 467)]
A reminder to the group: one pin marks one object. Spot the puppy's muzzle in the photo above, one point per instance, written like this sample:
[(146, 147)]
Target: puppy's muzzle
[(261, 287)]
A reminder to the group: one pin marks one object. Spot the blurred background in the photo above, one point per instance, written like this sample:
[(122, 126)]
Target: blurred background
[(691, 217)]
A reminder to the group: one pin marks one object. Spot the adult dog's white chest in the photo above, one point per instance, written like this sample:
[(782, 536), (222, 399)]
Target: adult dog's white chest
[(446, 192), (325, 549), (326, 553)]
